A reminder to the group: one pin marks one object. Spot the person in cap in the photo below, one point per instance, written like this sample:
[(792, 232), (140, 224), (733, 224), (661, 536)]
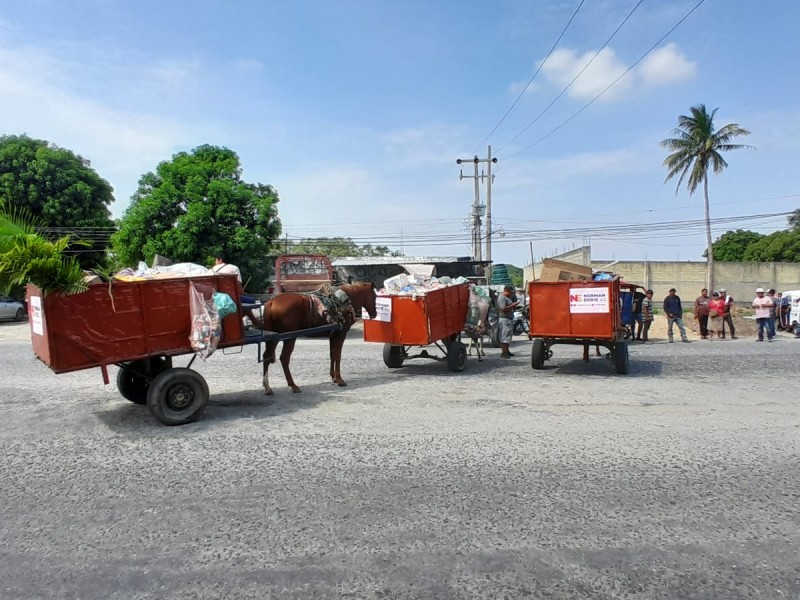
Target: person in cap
[(716, 308), (505, 320), (727, 316), (763, 305), (647, 315), (674, 311)]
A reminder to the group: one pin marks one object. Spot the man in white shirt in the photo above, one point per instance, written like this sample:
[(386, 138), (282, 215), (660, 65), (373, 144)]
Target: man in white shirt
[(763, 305), (222, 268)]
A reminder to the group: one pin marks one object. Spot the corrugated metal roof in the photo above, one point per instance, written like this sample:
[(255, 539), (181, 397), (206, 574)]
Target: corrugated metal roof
[(363, 261)]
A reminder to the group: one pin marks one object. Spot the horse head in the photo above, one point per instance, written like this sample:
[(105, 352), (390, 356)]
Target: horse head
[(362, 295)]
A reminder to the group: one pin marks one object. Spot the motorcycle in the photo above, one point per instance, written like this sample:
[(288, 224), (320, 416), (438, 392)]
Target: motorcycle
[(521, 320)]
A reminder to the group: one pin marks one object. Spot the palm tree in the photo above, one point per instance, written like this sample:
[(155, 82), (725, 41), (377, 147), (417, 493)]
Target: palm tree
[(794, 220), (696, 148)]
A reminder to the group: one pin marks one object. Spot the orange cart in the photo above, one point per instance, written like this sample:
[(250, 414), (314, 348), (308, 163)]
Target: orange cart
[(436, 318), (584, 313)]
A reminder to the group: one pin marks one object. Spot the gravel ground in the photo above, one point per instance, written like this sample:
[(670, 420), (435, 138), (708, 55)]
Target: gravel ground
[(679, 480)]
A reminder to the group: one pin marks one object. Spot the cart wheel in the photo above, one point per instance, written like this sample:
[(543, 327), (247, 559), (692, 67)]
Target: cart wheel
[(456, 357), (20, 316), (393, 356), (538, 354), (494, 335), (132, 385), (621, 358), (177, 396)]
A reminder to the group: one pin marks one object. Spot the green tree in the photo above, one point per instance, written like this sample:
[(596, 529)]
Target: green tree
[(336, 247), (195, 205), (696, 150), (780, 246), (57, 187), (732, 245), (794, 219)]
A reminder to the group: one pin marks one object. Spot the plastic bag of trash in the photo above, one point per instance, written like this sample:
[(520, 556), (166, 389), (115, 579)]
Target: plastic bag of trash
[(225, 305), (206, 324)]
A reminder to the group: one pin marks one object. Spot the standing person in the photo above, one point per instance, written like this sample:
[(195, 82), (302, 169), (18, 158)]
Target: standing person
[(637, 315), (729, 313), (716, 308), (773, 311), (505, 323), (647, 315), (701, 312), (674, 311), (762, 304)]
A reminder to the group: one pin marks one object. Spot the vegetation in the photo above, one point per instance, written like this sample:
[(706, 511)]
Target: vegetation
[(696, 151), (335, 247), (27, 257), (749, 246), (196, 205), (731, 246), (55, 186)]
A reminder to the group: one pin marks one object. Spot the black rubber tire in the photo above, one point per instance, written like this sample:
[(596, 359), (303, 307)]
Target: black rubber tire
[(519, 327), (393, 356), (494, 335), (621, 358), (456, 357), (177, 396), (132, 385), (20, 316), (537, 354)]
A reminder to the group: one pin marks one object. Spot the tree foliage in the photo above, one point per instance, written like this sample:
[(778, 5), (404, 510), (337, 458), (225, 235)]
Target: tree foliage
[(696, 151), (56, 186), (732, 245), (26, 257), (196, 205), (780, 246), (336, 247)]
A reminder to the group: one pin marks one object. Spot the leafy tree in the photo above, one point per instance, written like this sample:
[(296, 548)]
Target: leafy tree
[(780, 246), (794, 220), (196, 205), (696, 150), (732, 245), (336, 247), (56, 186)]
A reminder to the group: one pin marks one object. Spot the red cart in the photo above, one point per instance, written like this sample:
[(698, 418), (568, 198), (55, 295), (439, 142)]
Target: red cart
[(435, 318), (139, 326), (585, 313)]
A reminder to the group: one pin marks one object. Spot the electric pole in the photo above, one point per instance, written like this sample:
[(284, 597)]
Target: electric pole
[(478, 209)]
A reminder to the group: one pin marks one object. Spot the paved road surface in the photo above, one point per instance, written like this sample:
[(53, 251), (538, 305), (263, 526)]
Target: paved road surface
[(677, 481)]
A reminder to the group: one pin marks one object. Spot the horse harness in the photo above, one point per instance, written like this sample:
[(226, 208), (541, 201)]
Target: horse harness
[(333, 305)]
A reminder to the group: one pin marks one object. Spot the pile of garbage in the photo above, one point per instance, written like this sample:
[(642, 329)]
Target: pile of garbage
[(410, 285), (142, 272)]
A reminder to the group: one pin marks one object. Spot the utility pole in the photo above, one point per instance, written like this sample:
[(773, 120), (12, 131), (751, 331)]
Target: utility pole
[(478, 210)]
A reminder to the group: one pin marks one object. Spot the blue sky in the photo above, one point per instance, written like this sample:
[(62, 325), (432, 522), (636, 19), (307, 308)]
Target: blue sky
[(357, 111)]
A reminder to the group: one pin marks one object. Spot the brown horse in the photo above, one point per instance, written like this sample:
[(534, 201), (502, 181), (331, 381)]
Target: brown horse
[(293, 312)]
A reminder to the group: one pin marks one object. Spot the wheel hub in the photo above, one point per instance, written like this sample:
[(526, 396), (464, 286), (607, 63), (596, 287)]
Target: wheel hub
[(179, 397)]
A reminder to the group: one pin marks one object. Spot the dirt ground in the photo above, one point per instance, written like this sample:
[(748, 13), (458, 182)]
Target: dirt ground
[(745, 327)]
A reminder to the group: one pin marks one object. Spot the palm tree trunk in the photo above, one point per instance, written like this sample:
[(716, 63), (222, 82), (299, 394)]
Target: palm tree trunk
[(709, 244)]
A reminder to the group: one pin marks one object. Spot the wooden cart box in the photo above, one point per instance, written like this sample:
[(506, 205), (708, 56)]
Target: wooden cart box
[(575, 309), (124, 322), (419, 320)]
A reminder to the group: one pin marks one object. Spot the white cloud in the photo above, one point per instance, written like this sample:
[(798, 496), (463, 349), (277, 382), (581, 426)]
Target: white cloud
[(563, 65), (665, 66), (40, 96)]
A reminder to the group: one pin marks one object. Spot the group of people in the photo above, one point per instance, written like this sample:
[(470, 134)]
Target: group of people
[(714, 314)]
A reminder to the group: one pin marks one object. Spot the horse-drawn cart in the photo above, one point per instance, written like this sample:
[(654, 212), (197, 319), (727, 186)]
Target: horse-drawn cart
[(434, 318), (584, 313), (139, 326)]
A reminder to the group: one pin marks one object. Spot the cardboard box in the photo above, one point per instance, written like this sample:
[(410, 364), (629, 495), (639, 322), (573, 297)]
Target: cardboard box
[(559, 270)]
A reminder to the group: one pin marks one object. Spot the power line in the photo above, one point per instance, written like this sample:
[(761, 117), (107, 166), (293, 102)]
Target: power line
[(530, 81), (612, 84), (574, 79)]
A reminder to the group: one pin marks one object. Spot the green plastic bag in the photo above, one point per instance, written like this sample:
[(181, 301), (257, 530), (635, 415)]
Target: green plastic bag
[(225, 305)]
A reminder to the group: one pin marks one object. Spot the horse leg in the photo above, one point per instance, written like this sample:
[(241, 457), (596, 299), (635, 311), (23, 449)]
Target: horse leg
[(269, 358), (337, 341), (586, 353), (597, 351), (286, 356)]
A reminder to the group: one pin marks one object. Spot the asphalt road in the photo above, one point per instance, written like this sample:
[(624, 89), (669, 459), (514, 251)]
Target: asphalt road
[(679, 480)]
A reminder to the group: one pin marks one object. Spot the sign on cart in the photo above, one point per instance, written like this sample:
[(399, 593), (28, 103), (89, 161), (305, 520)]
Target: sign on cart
[(588, 300), (383, 308)]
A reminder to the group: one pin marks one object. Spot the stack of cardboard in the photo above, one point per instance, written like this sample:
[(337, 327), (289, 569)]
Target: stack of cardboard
[(559, 270)]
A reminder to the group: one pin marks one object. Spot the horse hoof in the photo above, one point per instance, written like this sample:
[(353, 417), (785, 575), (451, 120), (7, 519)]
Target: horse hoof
[(296, 390), (268, 392), (341, 383)]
